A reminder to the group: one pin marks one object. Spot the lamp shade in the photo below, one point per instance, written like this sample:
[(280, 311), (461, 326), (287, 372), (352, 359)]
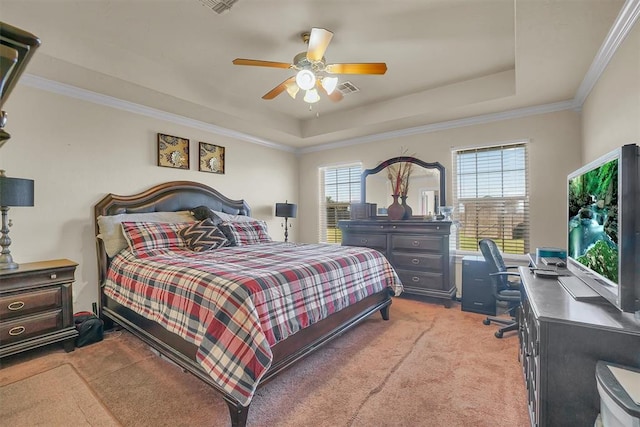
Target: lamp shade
[(16, 191), (286, 210)]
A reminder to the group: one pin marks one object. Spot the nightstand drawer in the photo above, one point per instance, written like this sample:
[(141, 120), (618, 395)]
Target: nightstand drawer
[(374, 241), (30, 302), (418, 261), (30, 326), (416, 243)]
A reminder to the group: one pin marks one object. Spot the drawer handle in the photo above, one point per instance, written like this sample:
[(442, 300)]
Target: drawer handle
[(364, 241), (415, 261), (394, 227), (54, 276), (415, 243), (17, 330), (16, 305), (415, 278)]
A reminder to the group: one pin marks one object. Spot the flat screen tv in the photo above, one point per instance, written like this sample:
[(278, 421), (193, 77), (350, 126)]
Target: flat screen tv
[(603, 239)]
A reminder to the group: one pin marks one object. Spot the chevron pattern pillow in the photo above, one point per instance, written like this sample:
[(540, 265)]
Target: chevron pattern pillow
[(203, 236)]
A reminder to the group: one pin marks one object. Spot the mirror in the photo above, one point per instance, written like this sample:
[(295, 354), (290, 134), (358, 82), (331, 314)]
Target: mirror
[(426, 190)]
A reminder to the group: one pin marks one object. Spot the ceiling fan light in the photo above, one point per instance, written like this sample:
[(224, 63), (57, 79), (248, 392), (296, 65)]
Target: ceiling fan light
[(305, 79), (311, 96), (329, 84), (292, 90)]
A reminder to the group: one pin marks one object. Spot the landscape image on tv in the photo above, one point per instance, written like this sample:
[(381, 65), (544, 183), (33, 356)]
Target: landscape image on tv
[(593, 219)]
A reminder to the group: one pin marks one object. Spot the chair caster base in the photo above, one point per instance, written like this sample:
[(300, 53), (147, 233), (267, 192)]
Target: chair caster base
[(498, 334), (486, 322)]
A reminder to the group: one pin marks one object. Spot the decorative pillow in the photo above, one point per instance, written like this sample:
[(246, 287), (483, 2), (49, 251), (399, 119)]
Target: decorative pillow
[(111, 231), (203, 212), (246, 232), (147, 236), (203, 236)]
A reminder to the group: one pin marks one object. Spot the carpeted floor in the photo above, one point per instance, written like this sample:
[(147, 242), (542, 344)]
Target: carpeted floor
[(427, 366), (58, 396)]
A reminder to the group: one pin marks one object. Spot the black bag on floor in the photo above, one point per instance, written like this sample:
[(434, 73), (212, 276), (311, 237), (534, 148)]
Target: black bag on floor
[(90, 328)]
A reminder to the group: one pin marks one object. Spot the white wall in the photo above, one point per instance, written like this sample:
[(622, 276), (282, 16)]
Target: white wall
[(77, 152), (554, 151), (611, 112)]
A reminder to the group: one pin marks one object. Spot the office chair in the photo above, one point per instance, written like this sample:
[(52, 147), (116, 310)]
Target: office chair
[(502, 288)]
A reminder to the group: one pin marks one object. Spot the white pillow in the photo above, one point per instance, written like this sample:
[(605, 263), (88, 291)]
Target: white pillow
[(110, 229)]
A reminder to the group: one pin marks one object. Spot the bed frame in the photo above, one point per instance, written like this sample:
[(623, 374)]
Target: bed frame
[(185, 195)]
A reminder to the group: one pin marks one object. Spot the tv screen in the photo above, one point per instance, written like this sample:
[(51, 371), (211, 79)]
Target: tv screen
[(603, 240), (593, 219)]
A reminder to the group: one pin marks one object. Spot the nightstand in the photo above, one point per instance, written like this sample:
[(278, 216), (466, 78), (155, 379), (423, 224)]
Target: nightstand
[(36, 306)]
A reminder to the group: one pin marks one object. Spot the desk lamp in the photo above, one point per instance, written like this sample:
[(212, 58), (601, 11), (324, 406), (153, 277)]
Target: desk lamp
[(286, 210)]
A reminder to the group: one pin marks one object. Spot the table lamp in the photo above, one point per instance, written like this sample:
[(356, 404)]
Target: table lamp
[(286, 210), (13, 192)]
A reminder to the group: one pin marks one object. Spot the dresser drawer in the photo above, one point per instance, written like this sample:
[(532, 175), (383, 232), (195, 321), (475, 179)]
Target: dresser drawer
[(21, 304), (416, 243), (415, 279), (30, 326), (417, 261), (374, 241)]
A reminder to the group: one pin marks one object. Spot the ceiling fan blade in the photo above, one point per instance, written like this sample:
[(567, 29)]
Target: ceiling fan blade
[(363, 68), (318, 41), (259, 63), (279, 89), (335, 96)]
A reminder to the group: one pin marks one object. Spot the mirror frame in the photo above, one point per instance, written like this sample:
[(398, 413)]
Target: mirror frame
[(383, 165)]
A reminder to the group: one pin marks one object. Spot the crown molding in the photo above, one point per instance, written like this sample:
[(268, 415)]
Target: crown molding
[(119, 104), (109, 101), (619, 30), (451, 124)]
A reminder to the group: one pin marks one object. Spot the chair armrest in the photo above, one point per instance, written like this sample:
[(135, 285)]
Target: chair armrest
[(512, 285), (504, 273), (511, 266)]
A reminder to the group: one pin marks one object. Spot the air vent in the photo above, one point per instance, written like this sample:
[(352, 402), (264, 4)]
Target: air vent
[(219, 6), (347, 88)]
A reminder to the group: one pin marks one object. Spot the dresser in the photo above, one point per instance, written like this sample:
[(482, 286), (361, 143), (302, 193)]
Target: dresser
[(561, 341), (36, 306), (417, 249)]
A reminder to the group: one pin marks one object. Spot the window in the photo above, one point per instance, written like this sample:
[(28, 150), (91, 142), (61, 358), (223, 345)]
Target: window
[(339, 187), (491, 197)]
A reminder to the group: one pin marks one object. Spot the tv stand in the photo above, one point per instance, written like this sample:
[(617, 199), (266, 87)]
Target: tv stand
[(561, 340)]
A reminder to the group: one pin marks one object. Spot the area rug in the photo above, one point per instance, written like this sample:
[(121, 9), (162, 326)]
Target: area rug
[(57, 397)]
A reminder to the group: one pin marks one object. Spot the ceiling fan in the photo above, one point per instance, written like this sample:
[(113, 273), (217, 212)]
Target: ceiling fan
[(313, 72)]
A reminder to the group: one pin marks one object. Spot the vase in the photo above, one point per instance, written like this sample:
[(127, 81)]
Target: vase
[(395, 209), (408, 212)]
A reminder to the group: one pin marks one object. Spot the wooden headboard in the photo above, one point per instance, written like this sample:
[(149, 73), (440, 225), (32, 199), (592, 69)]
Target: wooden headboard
[(167, 197)]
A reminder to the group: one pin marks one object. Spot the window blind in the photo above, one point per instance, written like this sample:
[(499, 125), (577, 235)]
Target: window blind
[(491, 197), (339, 187)]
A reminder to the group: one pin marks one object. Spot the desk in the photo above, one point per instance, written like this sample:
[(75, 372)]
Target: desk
[(561, 340)]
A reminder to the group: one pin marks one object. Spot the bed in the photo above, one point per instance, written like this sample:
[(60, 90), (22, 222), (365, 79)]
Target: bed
[(206, 355)]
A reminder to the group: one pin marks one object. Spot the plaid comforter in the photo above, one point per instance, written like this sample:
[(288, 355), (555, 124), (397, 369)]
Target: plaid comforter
[(235, 303)]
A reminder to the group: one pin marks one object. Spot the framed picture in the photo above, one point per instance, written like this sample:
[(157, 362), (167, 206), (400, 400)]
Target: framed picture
[(211, 158), (173, 151)]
